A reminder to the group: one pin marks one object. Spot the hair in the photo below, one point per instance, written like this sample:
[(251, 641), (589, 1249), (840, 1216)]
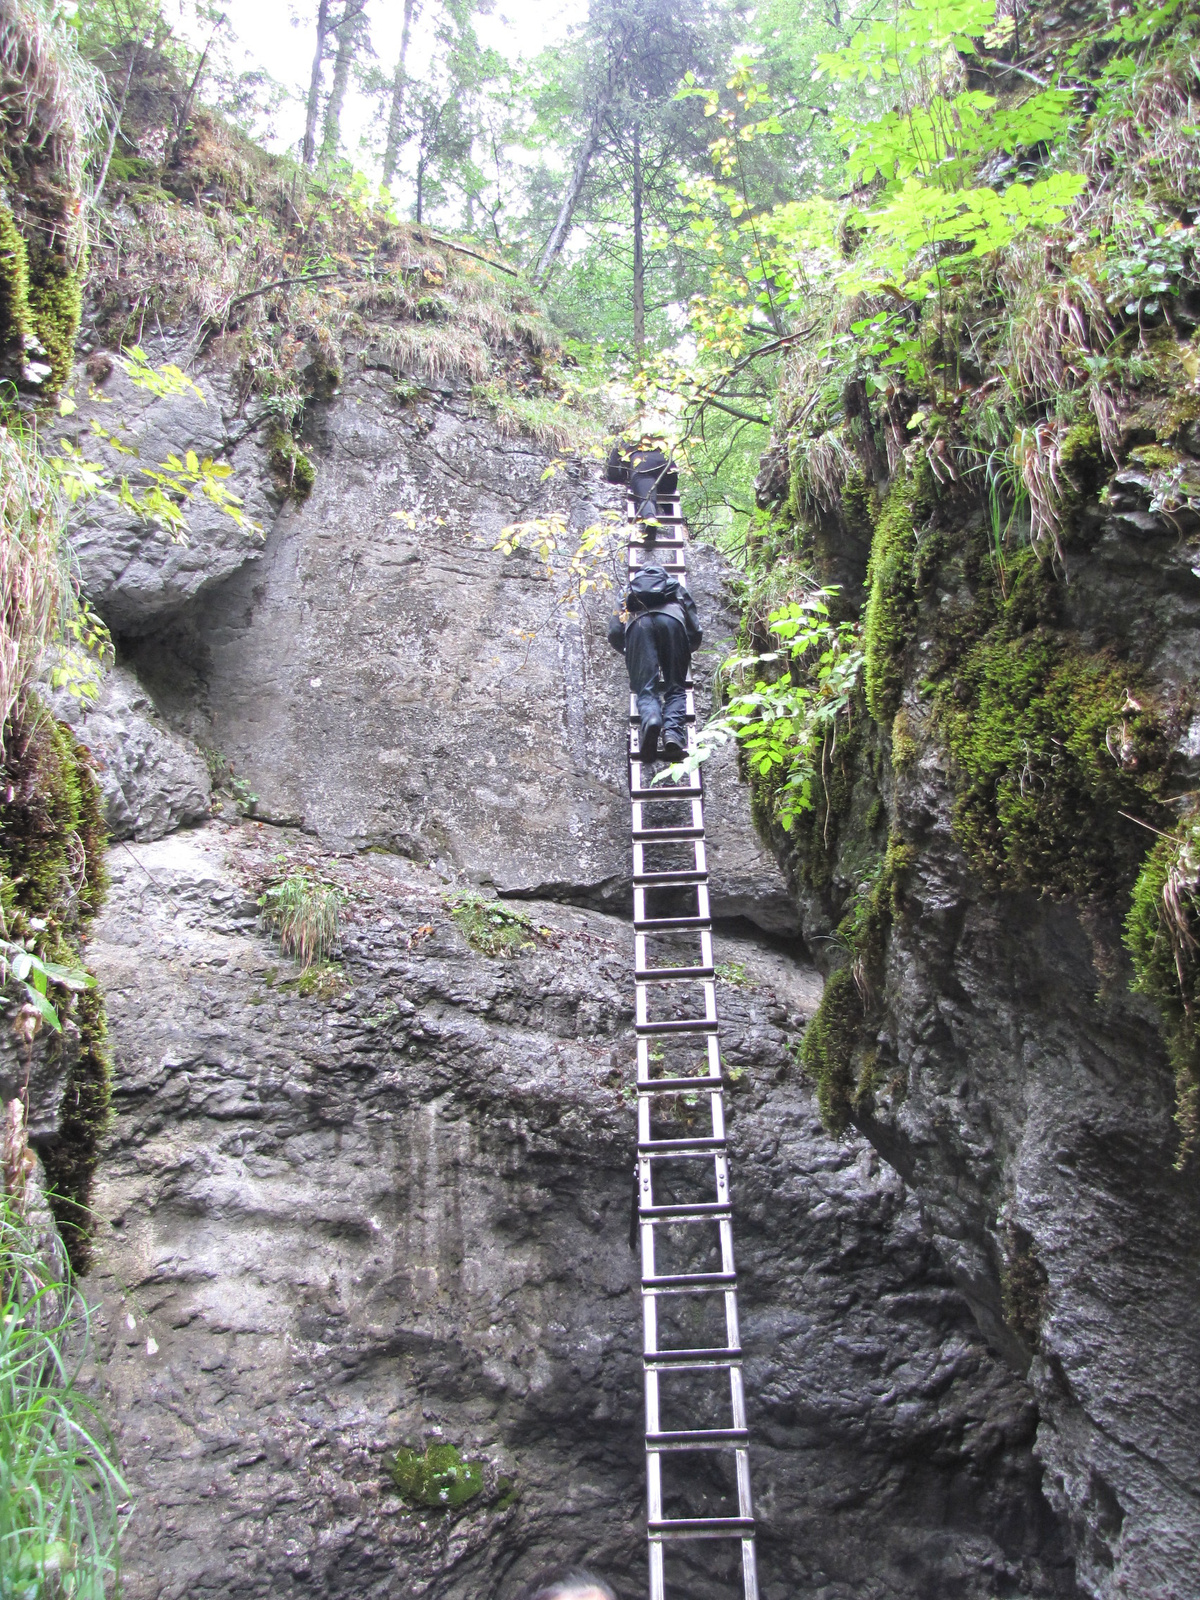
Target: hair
[(570, 1586)]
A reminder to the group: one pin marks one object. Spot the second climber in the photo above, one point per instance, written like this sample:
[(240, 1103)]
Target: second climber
[(657, 633)]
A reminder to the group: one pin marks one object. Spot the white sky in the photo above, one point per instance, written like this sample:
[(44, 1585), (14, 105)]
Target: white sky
[(279, 36)]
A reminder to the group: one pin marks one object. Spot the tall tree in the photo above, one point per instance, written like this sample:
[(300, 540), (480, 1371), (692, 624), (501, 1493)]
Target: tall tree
[(313, 103), (353, 43), (395, 128)]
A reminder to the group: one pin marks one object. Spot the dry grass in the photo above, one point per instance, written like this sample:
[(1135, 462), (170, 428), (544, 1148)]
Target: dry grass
[(436, 351), (821, 465), (31, 579), (50, 99)]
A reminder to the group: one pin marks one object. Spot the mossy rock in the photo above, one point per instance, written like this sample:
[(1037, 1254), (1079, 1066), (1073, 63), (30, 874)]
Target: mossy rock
[(293, 469), (839, 1051), (438, 1480), (55, 307), (1161, 935), (489, 927), (15, 321), (52, 883)]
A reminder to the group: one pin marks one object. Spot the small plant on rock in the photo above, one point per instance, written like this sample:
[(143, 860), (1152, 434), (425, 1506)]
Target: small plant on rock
[(488, 926), (439, 1480), (303, 913)]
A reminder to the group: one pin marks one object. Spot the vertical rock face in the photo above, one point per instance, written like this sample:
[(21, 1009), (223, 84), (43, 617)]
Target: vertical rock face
[(384, 677), (394, 1211), (386, 1206), (1018, 1086)]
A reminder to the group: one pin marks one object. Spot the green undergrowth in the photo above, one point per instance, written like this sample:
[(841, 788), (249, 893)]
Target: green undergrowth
[(303, 913), (490, 927), (52, 883)]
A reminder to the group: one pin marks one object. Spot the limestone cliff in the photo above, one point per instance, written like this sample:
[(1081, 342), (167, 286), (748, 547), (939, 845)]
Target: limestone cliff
[(388, 1207)]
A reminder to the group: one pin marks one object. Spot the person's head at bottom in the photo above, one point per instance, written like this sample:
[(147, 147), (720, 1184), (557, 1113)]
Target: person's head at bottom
[(577, 1585)]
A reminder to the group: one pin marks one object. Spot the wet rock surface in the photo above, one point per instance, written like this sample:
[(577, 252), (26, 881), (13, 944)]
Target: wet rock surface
[(388, 1205)]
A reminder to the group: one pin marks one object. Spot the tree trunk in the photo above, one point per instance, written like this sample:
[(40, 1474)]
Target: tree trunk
[(639, 263), (562, 226), (348, 35), (314, 85), (420, 184), (395, 132)]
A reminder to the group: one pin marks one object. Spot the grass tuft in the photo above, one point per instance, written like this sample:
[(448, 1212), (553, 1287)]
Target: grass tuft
[(59, 1487), (304, 914)]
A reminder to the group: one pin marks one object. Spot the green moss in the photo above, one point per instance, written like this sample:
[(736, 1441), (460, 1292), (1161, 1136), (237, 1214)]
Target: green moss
[(1051, 743), (40, 821), (438, 1480), (15, 322), (489, 927), (905, 747), (890, 619), (1156, 457), (52, 883), (1161, 935), (55, 306), (839, 1051), (290, 465), (1081, 458), (70, 1161)]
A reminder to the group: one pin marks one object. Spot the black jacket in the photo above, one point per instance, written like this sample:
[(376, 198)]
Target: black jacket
[(654, 589), (651, 473)]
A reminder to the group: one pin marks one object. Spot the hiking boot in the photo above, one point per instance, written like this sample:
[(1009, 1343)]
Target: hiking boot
[(674, 747), (649, 745)]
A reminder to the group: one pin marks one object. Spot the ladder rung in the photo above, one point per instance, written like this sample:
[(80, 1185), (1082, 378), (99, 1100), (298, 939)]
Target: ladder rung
[(680, 1147), (683, 1025), (702, 1528), (668, 924), (650, 974), (699, 1439), (667, 835), (672, 879), (697, 1212), (703, 1083), (683, 792), (727, 1357), (692, 1280)]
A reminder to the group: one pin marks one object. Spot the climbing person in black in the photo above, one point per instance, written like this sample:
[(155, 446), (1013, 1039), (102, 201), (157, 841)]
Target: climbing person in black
[(657, 639), (649, 473)]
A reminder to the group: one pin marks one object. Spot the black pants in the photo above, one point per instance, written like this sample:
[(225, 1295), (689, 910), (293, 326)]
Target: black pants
[(656, 644)]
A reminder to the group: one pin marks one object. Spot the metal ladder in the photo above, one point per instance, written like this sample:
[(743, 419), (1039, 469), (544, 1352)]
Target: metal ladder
[(656, 927)]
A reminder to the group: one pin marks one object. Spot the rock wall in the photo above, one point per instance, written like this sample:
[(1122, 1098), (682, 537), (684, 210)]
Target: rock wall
[(1015, 1082), (396, 1211), (388, 1205)]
